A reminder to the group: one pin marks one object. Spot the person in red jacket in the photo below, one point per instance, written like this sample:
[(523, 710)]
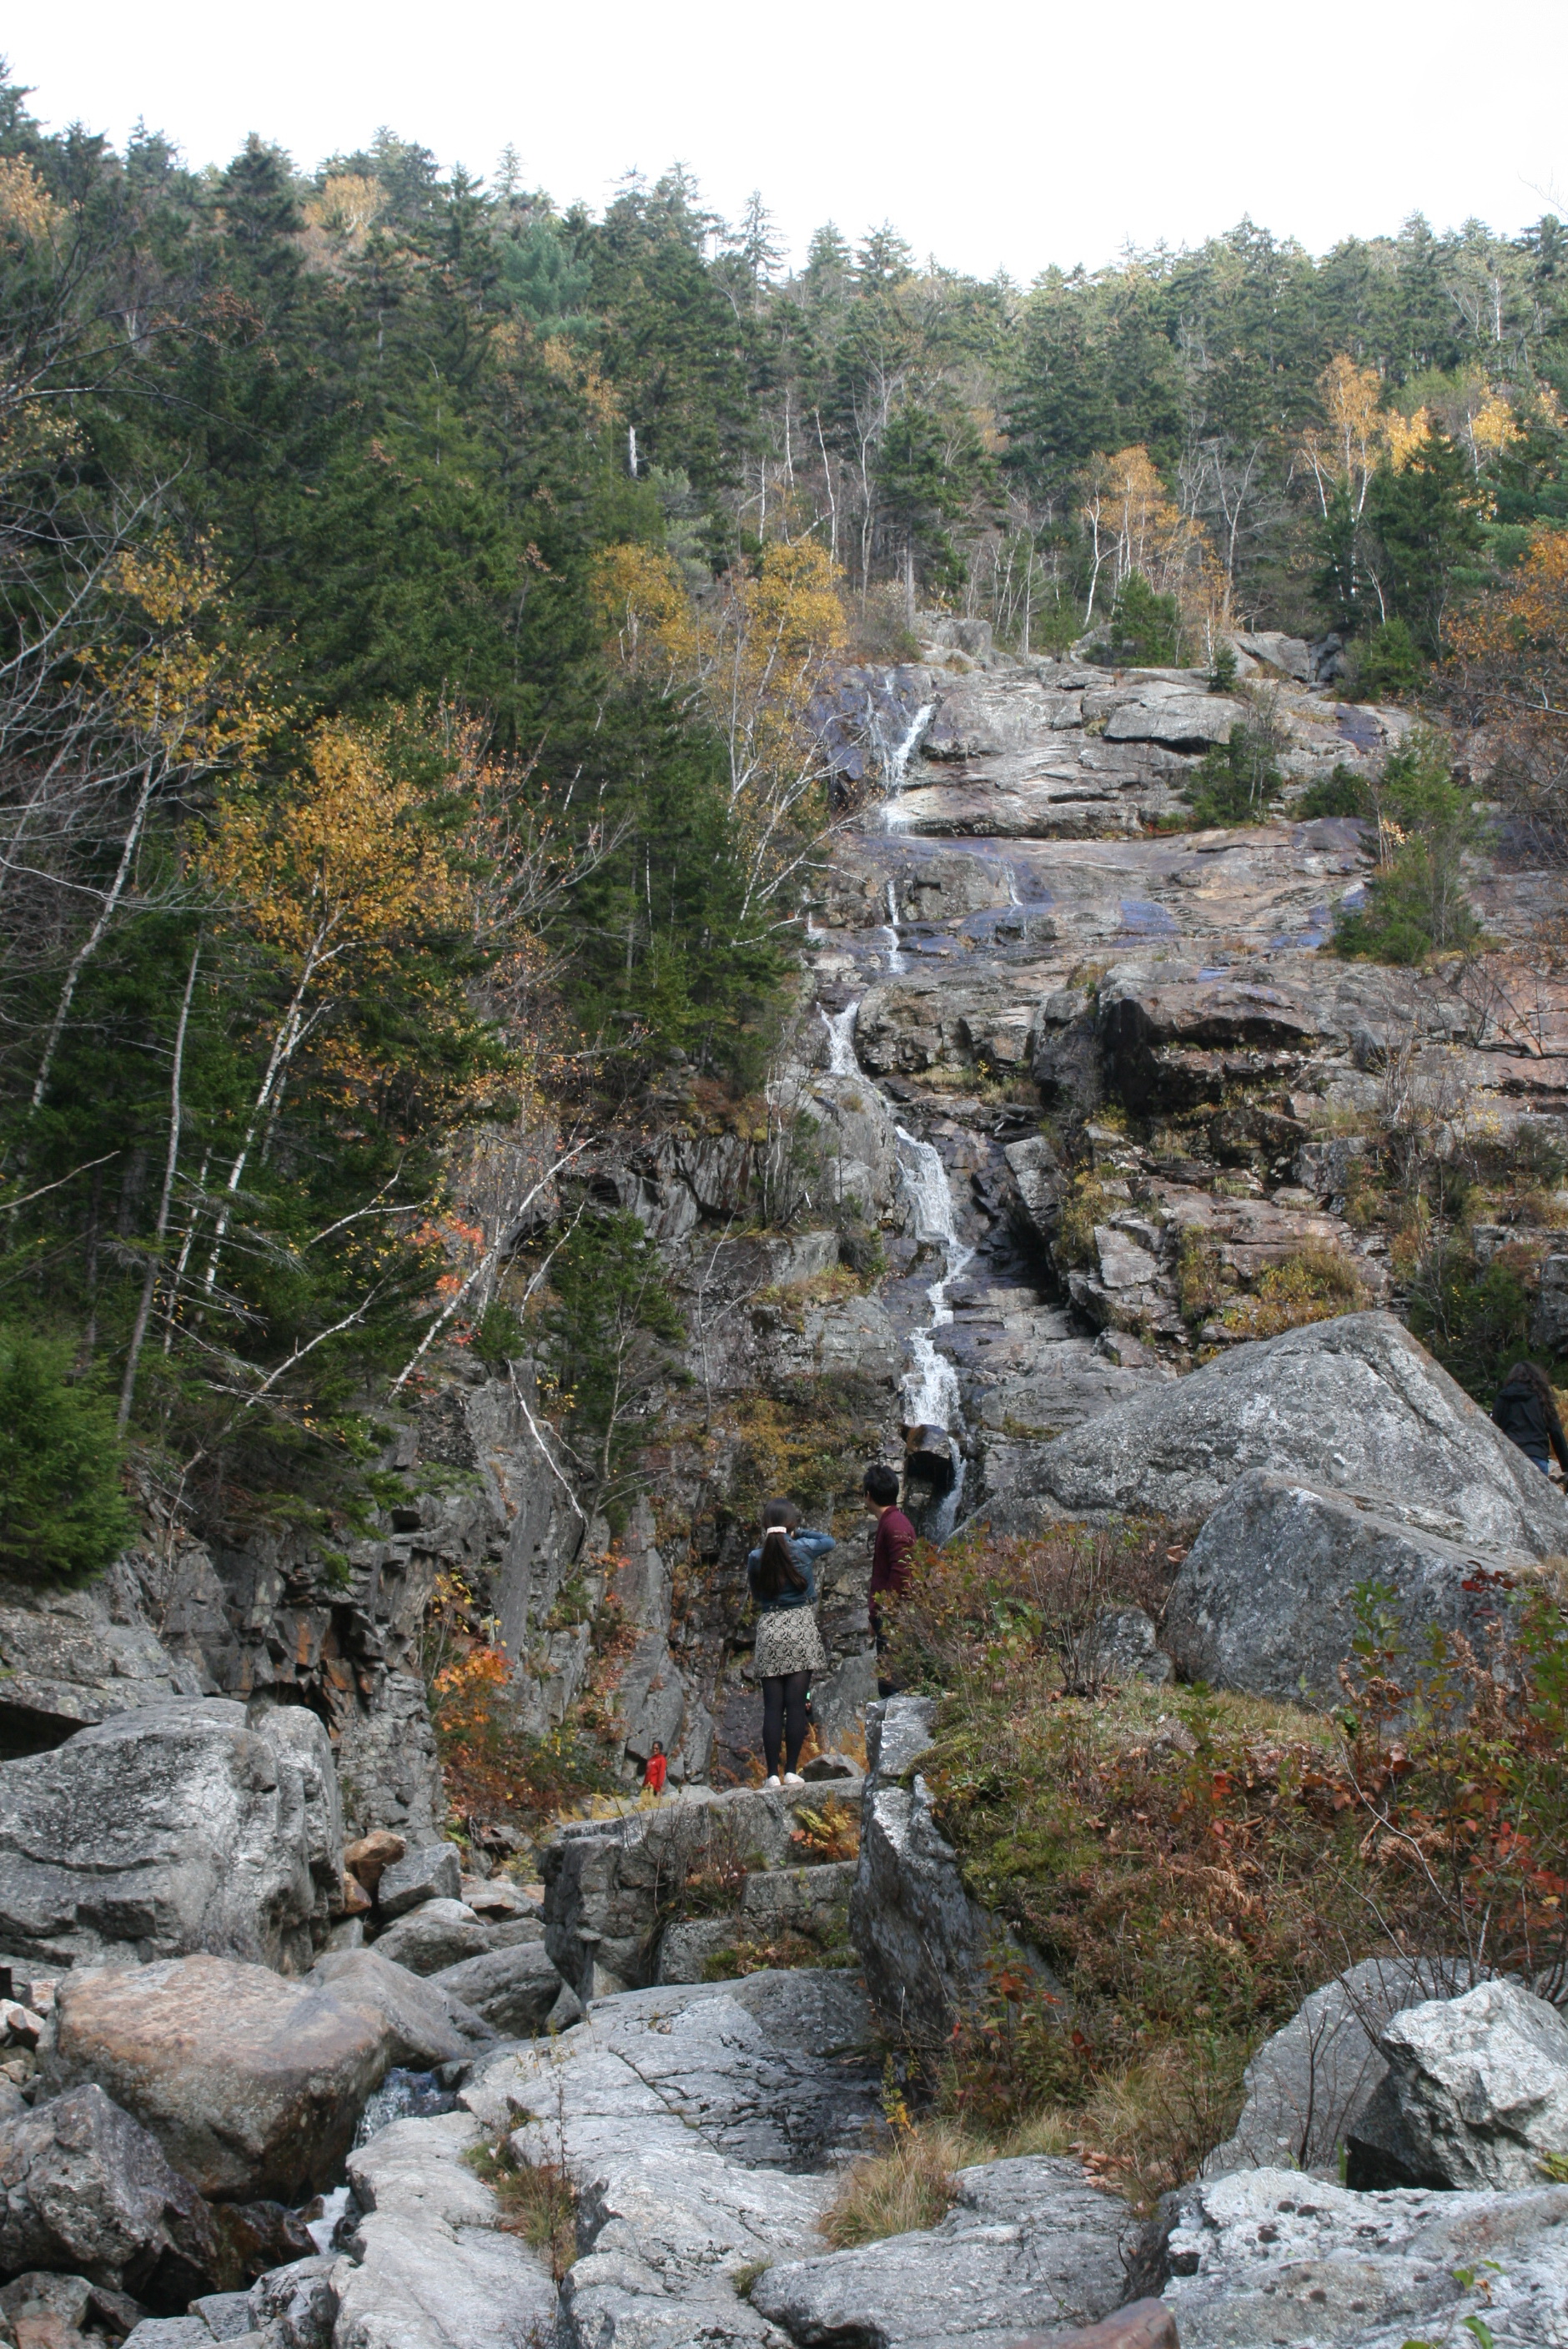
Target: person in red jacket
[(655, 1772), (891, 1570)]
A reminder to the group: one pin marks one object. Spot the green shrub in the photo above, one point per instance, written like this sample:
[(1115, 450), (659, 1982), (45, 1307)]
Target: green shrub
[(1145, 629), (62, 1512), (1222, 668), (1473, 1317), (1055, 628), (1235, 781), (1389, 664), (1344, 792), (1417, 903)]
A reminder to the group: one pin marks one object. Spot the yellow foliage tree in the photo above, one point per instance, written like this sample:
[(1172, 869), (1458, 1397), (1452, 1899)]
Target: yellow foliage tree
[(347, 203), (1134, 525), (753, 661), (177, 692), (337, 878), (1509, 667), (27, 207)]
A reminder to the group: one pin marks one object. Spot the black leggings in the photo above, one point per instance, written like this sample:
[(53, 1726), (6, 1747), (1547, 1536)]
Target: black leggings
[(784, 1717)]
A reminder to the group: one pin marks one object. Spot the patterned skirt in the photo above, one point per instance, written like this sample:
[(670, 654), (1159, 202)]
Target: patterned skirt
[(788, 1640)]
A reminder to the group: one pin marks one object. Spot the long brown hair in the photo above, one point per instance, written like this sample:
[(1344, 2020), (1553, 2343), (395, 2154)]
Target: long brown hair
[(777, 1571), (1540, 1385)]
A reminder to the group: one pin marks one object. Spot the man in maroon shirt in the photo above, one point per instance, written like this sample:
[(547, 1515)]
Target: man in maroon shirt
[(891, 1572)]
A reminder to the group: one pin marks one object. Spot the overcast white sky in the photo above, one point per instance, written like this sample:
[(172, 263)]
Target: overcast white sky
[(1012, 136)]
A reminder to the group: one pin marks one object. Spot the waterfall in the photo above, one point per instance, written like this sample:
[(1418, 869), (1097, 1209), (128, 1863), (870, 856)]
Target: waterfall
[(334, 2207), (905, 749), (895, 759), (931, 1383), (841, 1028), (895, 960)]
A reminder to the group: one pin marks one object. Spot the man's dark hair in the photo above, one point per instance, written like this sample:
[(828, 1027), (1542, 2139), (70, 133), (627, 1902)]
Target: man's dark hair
[(881, 1485)]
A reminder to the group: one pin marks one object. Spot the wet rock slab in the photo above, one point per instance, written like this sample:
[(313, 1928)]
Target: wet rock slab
[(696, 2124), (428, 2266)]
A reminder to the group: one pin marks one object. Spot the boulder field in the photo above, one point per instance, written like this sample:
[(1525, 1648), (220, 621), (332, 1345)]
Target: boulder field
[(1398, 2143)]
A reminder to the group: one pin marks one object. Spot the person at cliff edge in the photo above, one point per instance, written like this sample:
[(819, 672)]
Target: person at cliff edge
[(891, 1572), (782, 1573)]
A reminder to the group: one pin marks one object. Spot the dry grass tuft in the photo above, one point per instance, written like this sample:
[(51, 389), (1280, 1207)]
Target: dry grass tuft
[(538, 2201), (912, 2185)]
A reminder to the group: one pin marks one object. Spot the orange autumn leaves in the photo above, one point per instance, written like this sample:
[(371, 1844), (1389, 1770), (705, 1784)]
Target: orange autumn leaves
[(340, 877)]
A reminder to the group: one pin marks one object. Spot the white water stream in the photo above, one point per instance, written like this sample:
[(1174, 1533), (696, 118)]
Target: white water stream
[(931, 1383), (896, 964), (895, 759), (321, 2230)]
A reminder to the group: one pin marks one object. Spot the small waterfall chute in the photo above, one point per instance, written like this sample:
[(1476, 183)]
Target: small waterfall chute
[(841, 1028), (933, 1410), (895, 960), (895, 758)]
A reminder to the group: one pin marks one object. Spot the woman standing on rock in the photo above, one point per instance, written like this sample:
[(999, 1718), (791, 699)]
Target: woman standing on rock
[(1526, 1411), (783, 1576)]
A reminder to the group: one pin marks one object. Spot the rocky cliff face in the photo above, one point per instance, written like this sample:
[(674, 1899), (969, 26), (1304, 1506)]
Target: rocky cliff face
[(944, 1224)]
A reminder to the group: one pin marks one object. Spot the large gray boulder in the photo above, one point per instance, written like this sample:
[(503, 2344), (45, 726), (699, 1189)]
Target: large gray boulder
[(1308, 2086), (437, 1934), (1476, 2094), (1355, 1405), (432, 1871), (420, 2023), (174, 1828), (923, 1942), (1181, 721), (1029, 2243), (252, 2085), (1265, 2259), (1266, 1599), (514, 1990), (84, 2187), (298, 2301)]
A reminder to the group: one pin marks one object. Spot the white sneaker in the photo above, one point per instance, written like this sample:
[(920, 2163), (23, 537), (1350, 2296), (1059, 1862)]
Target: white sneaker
[(793, 1778), (773, 1781)]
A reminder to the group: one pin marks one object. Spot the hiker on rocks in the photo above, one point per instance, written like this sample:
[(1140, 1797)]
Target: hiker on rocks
[(782, 1572), (1526, 1411), (891, 1572), (655, 1770)]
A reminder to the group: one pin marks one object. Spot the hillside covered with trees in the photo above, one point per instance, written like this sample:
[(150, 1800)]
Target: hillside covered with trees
[(419, 608)]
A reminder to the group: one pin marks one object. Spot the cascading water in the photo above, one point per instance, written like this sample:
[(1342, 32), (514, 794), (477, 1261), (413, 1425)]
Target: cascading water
[(895, 960), (895, 759), (931, 1383), (334, 2209), (841, 1028), (931, 1387)]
